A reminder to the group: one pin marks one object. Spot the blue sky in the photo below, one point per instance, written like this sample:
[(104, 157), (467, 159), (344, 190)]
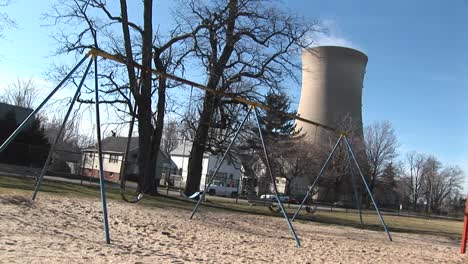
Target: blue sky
[(416, 75)]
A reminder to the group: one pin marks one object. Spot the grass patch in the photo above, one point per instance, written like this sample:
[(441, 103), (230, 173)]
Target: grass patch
[(444, 227), (25, 185), (448, 228)]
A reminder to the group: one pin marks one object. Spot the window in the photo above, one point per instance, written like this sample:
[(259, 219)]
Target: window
[(113, 158)]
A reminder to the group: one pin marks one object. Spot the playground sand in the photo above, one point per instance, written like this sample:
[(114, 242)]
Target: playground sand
[(69, 230)]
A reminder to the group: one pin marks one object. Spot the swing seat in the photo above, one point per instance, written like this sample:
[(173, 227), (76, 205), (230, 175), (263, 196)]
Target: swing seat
[(311, 209), (194, 196)]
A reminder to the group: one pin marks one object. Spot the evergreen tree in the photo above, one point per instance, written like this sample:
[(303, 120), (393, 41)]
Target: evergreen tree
[(387, 186), (8, 125), (30, 147), (276, 126), (280, 135), (388, 177)]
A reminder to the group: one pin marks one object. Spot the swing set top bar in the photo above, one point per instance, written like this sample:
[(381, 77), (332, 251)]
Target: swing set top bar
[(103, 54)]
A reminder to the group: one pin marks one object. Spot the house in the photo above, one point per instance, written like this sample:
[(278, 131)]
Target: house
[(113, 151), (12, 111), (256, 179), (229, 173)]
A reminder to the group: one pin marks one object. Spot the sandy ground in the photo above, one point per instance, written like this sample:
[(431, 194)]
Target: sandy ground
[(69, 230)]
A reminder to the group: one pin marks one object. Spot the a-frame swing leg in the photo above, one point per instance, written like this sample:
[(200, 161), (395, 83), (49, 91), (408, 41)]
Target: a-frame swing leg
[(280, 203), (311, 187), (356, 195), (52, 148), (33, 113), (351, 153), (99, 148), (30, 116), (210, 181)]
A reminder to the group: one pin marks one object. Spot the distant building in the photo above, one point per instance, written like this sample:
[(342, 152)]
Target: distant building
[(18, 112), (332, 85), (229, 172), (113, 151), (332, 82), (256, 179)]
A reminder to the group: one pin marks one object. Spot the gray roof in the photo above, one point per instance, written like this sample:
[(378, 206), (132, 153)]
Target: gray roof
[(116, 144), (184, 151), (20, 112)]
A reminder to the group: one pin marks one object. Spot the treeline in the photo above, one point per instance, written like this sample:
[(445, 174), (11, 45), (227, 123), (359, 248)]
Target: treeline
[(413, 181), (426, 184), (29, 148)]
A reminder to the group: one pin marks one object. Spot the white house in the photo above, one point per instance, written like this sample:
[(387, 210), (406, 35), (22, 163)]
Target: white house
[(113, 151), (229, 173)]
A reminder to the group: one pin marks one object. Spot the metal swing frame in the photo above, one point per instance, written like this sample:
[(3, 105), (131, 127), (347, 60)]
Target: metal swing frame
[(351, 156), (265, 152), (23, 125), (94, 53)]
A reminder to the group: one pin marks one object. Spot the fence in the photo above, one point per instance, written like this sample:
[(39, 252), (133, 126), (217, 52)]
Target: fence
[(29, 159), (74, 165)]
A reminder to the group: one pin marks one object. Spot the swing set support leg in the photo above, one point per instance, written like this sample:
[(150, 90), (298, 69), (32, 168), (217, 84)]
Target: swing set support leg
[(273, 180), (99, 148), (52, 148), (311, 187), (210, 181), (356, 195), (351, 153), (33, 113)]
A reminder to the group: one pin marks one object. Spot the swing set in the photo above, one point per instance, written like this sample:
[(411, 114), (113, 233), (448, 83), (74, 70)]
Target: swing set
[(93, 54)]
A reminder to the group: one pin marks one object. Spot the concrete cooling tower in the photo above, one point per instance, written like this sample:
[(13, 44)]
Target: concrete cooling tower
[(332, 81)]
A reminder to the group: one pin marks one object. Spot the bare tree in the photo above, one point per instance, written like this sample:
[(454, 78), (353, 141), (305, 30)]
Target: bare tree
[(431, 170), (5, 20), (414, 175), (336, 181), (69, 144), (439, 183), (447, 183), (381, 144), (69, 138), (242, 41), (21, 93), (297, 159), (171, 137), (97, 26)]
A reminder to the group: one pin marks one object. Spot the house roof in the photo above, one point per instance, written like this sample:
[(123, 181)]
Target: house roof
[(19, 112), (116, 144), (184, 150)]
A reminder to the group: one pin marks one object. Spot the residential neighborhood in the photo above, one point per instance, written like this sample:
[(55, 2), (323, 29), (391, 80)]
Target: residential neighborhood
[(114, 160)]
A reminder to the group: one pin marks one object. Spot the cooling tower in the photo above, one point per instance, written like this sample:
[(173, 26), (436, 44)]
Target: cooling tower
[(332, 79)]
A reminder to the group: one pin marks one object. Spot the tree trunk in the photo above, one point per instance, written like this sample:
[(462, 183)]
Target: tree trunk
[(158, 130), (415, 203), (195, 163), (146, 159), (372, 183), (146, 166)]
